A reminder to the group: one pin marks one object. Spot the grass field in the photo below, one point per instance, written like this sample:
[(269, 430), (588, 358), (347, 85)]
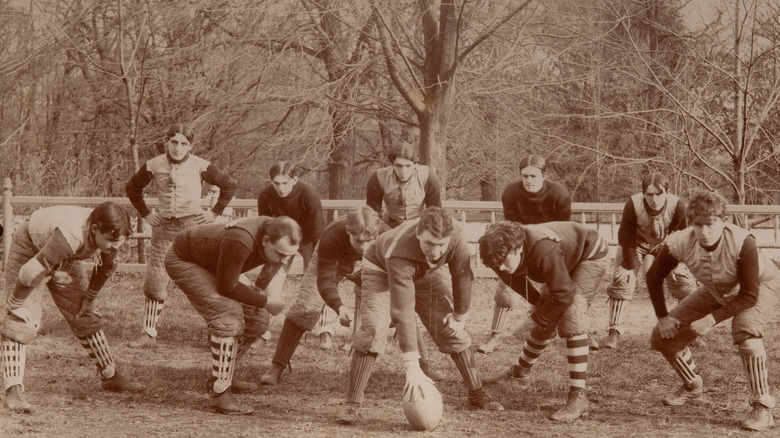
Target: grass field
[(625, 386)]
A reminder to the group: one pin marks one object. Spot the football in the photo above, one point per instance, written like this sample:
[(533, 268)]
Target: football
[(425, 412)]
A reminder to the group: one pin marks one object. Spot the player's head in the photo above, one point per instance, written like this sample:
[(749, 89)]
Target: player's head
[(109, 226), (533, 170), (706, 211), (363, 225), (655, 188), (178, 141), (403, 157), (281, 240), (284, 176), (434, 231), (501, 247)]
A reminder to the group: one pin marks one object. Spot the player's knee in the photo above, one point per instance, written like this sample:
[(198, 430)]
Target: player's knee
[(86, 325), (18, 330)]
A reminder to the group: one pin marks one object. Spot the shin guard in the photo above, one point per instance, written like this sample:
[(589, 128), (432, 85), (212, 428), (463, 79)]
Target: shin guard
[(500, 315), (97, 348), (359, 373), (152, 310), (326, 321), (684, 366), (754, 361), (14, 355), (616, 307), (467, 367), (223, 354), (289, 339)]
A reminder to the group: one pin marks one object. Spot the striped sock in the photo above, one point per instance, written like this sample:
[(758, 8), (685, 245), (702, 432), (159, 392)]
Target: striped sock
[(531, 351), (97, 348), (223, 351), (577, 357)]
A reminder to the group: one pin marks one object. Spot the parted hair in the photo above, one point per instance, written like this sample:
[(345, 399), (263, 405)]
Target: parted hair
[(283, 226), (533, 161), (436, 221), (111, 219), (284, 168), (403, 150), (499, 240), (703, 204), (180, 128), (655, 179), (363, 222)]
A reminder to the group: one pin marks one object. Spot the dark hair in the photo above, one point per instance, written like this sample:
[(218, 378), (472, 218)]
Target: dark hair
[(655, 179), (283, 226), (435, 220), (111, 219), (533, 161), (180, 128), (284, 168), (499, 240), (704, 204), (404, 150), (363, 222)]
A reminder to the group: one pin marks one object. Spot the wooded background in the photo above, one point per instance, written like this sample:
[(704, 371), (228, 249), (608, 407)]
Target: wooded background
[(606, 90)]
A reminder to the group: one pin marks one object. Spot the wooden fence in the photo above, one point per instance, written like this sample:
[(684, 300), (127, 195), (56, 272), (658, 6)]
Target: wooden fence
[(605, 217)]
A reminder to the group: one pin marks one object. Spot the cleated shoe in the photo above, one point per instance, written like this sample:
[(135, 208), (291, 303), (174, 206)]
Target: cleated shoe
[(685, 393), (225, 403), (14, 400), (760, 418), (241, 387), (516, 375), (430, 371), (144, 342), (479, 399), (349, 414), (612, 339), (577, 406), (272, 376), (492, 344), (117, 383)]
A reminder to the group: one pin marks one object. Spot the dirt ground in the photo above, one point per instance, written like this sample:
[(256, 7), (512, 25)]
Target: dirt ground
[(625, 385)]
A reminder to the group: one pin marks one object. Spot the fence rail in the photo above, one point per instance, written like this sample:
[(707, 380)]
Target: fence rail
[(605, 217)]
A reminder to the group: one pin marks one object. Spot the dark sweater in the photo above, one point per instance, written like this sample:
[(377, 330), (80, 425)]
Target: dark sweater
[(551, 203), (303, 205)]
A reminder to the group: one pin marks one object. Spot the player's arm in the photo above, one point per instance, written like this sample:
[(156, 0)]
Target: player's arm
[(135, 189), (400, 274), (55, 251), (549, 258), (748, 275), (663, 264), (627, 236), (327, 271), (374, 193), (432, 190), (227, 187), (232, 256)]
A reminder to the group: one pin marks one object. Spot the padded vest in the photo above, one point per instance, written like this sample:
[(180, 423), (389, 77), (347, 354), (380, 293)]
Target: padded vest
[(403, 201), (179, 185)]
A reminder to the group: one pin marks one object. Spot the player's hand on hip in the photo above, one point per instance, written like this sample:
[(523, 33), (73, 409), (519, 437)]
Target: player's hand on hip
[(206, 217), (153, 219)]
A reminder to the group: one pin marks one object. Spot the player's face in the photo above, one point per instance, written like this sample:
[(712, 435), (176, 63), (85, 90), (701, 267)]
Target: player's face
[(279, 252), (655, 197), (708, 230), (178, 146), (361, 242), (512, 261), (106, 242), (283, 184), (533, 178), (433, 247), (403, 169)]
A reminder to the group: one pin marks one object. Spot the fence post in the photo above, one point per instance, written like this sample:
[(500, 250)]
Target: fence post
[(8, 220)]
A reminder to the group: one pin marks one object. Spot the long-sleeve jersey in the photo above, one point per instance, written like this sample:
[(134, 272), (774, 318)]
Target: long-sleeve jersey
[(643, 228), (551, 203), (731, 271), (302, 204), (336, 259), (550, 252), (398, 254), (228, 250), (179, 185)]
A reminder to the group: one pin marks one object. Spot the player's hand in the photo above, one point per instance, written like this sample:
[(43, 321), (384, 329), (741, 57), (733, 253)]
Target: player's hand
[(415, 377), (455, 322), (88, 307), (622, 275), (205, 217), (153, 219), (345, 316), (668, 327), (274, 306), (702, 326), (523, 332)]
